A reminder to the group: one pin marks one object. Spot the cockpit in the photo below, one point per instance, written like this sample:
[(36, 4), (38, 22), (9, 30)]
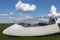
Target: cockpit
[(37, 22)]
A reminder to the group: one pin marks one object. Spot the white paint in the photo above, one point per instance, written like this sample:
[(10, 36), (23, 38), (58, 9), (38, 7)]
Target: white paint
[(18, 30), (58, 20)]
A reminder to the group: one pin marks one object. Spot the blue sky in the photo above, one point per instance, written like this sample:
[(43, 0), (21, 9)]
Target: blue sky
[(8, 8)]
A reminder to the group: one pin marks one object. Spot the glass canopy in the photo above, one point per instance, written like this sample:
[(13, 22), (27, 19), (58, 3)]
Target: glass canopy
[(36, 22)]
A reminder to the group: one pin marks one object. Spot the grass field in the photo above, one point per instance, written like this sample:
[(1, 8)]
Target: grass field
[(6, 37)]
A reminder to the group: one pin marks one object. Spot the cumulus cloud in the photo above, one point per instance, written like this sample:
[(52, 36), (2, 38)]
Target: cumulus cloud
[(25, 6), (3, 14), (53, 11)]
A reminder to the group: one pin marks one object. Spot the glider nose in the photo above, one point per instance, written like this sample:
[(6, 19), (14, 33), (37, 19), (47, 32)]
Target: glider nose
[(8, 30), (5, 31), (11, 29)]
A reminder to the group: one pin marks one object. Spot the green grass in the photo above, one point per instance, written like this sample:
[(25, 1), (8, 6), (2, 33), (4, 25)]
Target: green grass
[(6, 37)]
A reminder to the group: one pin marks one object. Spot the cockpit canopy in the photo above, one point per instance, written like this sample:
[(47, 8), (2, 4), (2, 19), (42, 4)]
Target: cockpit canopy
[(37, 22)]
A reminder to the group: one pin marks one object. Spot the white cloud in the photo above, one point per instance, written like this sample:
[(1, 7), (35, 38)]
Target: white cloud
[(53, 11), (11, 19), (25, 6), (25, 16), (3, 14), (50, 15), (11, 13), (6, 20), (21, 18)]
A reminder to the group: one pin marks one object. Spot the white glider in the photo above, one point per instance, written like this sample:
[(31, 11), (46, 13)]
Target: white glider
[(31, 29)]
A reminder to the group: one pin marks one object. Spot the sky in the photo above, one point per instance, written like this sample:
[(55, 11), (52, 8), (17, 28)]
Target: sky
[(17, 10)]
